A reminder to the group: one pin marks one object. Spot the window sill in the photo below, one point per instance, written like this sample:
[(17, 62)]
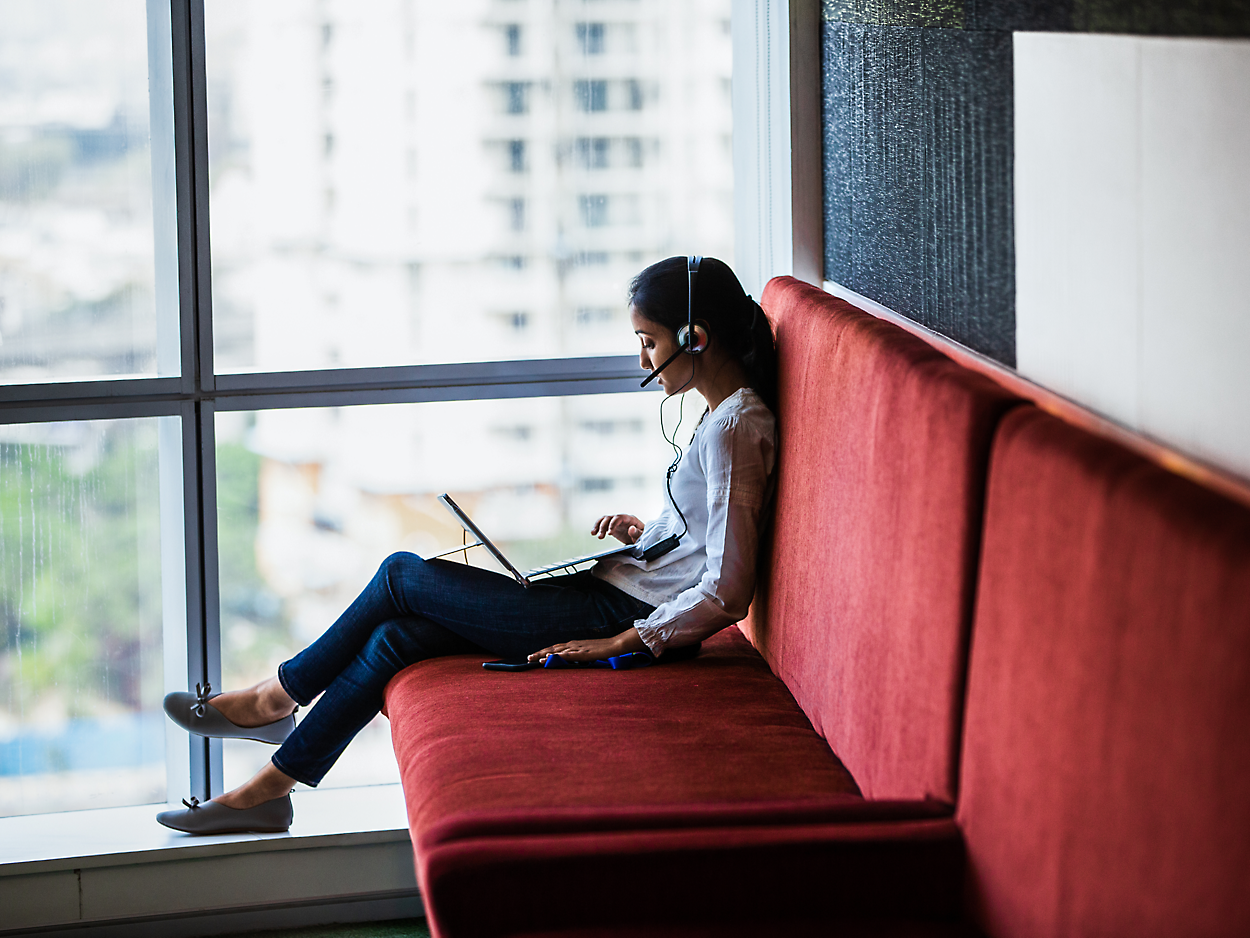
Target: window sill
[(117, 867)]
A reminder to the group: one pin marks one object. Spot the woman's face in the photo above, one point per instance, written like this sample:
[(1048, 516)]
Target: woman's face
[(658, 343)]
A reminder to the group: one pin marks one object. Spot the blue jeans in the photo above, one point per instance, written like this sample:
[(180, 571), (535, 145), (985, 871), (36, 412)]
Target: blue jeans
[(415, 609)]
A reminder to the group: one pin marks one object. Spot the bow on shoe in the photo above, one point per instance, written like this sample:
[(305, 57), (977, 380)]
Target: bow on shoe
[(201, 698), (193, 803)]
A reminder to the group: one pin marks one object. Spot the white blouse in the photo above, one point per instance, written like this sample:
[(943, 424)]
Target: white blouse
[(722, 484)]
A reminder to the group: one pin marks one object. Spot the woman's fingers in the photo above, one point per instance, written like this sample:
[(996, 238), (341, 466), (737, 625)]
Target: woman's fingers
[(626, 528), (571, 651), (539, 655), (575, 651)]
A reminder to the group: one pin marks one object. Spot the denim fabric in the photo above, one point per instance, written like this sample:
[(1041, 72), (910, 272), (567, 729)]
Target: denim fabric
[(415, 609)]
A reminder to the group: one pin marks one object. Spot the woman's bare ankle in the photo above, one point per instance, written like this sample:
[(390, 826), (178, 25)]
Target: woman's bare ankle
[(267, 784), (274, 699), (257, 705)]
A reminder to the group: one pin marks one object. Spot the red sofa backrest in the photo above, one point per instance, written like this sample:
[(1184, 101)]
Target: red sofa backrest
[(865, 608), (1105, 786)]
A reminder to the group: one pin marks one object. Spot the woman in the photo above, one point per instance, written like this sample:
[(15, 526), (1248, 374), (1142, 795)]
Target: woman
[(701, 577)]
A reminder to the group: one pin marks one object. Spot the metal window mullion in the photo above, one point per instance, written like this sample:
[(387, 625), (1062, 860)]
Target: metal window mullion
[(86, 410), (185, 171), (203, 655), (71, 392), (198, 100), (434, 375), (199, 463), (210, 592)]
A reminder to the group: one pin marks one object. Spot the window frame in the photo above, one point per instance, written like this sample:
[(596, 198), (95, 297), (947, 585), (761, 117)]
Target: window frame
[(198, 392)]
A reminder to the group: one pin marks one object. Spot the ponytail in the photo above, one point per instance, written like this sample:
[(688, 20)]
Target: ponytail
[(759, 355)]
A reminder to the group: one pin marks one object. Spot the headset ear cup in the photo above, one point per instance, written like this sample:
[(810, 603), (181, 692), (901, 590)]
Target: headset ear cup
[(700, 340)]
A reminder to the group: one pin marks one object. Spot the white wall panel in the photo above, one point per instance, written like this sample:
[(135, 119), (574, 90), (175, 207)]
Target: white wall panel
[(1195, 319), (1077, 216), (1133, 232)]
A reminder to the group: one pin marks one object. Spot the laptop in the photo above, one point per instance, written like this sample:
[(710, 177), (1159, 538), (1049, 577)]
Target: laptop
[(523, 578)]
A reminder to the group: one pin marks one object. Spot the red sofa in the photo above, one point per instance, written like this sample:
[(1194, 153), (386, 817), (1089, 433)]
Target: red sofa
[(840, 763)]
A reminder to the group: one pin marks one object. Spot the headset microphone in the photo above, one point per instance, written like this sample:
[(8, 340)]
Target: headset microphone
[(655, 374)]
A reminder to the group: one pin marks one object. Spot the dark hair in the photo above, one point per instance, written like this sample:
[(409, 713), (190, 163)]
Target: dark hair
[(736, 320)]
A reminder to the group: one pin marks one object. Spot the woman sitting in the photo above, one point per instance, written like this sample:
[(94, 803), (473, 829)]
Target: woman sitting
[(692, 573)]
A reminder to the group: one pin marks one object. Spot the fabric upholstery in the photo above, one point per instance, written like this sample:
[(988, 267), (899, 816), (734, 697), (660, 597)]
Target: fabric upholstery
[(883, 445), (1106, 751), (476, 743), (700, 877)]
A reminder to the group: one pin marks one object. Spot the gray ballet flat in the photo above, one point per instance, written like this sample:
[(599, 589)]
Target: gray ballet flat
[(211, 817), (195, 714)]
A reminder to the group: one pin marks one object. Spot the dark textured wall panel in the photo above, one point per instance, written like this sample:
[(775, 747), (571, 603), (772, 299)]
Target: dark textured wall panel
[(1163, 17), (1155, 17), (946, 13), (1049, 15), (918, 184), (969, 190)]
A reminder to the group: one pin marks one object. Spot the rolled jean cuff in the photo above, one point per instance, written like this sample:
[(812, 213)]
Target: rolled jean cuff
[(291, 692), (286, 770)]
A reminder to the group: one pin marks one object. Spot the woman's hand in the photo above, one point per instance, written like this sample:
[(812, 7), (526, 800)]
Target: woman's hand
[(625, 528), (592, 649)]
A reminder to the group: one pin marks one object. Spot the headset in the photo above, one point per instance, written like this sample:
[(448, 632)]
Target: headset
[(688, 339)]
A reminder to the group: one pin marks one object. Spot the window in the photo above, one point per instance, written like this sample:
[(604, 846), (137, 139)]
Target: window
[(633, 151), (596, 315), (590, 38), (426, 150), (516, 214), (592, 152), (594, 210), (514, 93), (611, 427), (591, 95), (396, 291), (81, 595), (608, 153), (517, 321), (83, 193), (516, 156), (633, 94)]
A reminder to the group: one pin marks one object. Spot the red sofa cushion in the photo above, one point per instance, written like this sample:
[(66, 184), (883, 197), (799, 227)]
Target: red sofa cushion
[(718, 730), (881, 466), (1106, 770)]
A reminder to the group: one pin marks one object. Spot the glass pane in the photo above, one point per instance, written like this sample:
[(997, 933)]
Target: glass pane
[(402, 181), (88, 270), (311, 501), (81, 675)]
